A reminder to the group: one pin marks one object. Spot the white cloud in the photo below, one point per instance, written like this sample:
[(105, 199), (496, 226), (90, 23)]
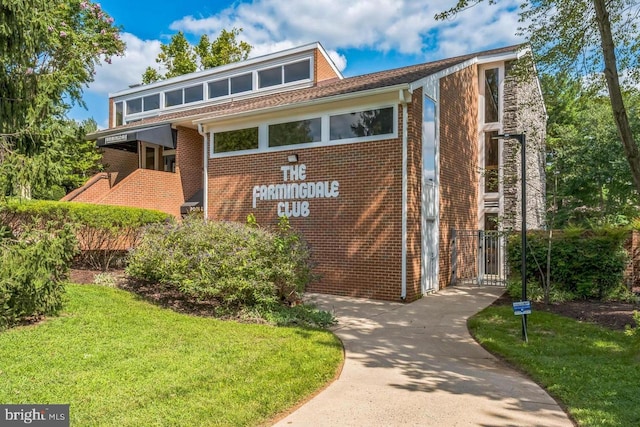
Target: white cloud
[(401, 25), (128, 69), (405, 26)]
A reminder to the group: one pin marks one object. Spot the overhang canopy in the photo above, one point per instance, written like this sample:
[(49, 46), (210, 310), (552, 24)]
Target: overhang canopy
[(162, 135)]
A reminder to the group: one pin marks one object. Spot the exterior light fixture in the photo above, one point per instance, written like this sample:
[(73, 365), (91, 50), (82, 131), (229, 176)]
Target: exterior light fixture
[(521, 137), (292, 158)]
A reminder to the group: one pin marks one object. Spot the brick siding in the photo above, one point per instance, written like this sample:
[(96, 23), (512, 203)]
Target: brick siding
[(189, 159), (322, 69), (356, 237), (122, 162), (458, 161)]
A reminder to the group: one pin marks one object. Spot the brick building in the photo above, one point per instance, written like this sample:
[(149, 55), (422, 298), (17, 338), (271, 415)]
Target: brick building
[(376, 171)]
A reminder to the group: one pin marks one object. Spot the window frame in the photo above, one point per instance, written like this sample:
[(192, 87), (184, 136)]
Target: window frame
[(263, 134)]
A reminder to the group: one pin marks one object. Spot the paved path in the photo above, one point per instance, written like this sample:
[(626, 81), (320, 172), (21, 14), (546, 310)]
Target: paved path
[(416, 365)]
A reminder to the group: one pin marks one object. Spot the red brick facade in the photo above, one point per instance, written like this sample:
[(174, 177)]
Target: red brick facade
[(120, 162), (458, 161), (322, 69), (356, 237), (189, 160)]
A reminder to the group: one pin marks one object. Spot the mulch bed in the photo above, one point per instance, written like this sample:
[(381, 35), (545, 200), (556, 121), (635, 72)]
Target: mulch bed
[(613, 315)]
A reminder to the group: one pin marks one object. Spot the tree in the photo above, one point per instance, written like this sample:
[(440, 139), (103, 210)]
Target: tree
[(48, 52), (590, 181), (178, 57), (584, 37)]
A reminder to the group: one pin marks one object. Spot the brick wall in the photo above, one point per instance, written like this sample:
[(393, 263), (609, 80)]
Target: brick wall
[(458, 161), (356, 237), (189, 159), (120, 161), (111, 119), (94, 189), (148, 189), (414, 196), (322, 69)]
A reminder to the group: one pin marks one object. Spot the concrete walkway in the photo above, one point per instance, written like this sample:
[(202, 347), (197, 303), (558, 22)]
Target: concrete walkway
[(416, 365)]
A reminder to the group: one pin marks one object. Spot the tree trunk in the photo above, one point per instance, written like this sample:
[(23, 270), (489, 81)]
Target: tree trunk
[(615, 94)]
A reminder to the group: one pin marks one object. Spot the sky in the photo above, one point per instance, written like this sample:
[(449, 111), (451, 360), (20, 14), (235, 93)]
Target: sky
[(361, 36)]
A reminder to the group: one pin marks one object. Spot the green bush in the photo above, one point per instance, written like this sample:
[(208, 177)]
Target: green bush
[(584, 263), (104, 233), (241, 267), (33, 270)]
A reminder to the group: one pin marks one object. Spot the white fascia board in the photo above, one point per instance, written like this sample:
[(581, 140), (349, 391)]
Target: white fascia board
[(208, 117), (221, 69)]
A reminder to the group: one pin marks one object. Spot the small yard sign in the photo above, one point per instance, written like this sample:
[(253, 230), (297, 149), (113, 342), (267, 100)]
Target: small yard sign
[(521, 307)]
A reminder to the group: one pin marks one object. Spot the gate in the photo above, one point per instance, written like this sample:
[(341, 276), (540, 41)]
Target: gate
[(479, 257)]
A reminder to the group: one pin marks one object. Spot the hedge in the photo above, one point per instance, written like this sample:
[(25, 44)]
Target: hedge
[(584, 263), (103, 232)]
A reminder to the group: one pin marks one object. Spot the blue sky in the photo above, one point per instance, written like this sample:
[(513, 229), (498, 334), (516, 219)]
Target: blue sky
[(361, 36)]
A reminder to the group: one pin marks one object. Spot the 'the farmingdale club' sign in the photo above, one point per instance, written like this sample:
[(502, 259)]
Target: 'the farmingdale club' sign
[(294, 193)]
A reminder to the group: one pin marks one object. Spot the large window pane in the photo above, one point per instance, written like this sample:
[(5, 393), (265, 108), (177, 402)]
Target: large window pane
[(491, 99), (360, 124), (119, 115), (219, 88), (151, 102), (270, 77), (134, 106), (193, 94), (235, 140), (241, 83), (173, 97), (295, 132), (297, 71), (491, 162)]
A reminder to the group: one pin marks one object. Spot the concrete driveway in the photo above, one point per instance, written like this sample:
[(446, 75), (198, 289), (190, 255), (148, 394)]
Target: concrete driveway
[(416, 365)]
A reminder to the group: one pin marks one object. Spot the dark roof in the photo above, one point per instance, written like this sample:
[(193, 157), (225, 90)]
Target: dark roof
[(365, 82)]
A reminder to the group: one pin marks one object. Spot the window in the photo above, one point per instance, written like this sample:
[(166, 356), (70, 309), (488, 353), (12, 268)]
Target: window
[(270, 77), (235, 140), (172, 98), (193, 94), (295, 132), (490, 221), (151, 102), (297, 71), (219, 88), (491, 162), (242, 83), (361, 124), (119, 118), (134, 106), (491, 98)]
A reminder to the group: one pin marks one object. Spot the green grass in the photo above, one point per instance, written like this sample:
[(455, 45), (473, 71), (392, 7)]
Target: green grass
[(120, 361), (593, 371)]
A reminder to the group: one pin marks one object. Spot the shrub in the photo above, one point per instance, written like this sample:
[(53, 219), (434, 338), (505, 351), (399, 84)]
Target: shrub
[(103, 232), (239, 266), (584, 263), (32, 273)]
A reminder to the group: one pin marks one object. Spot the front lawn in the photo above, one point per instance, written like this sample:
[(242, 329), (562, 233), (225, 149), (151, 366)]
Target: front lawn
[(120, 361), (593, 371)]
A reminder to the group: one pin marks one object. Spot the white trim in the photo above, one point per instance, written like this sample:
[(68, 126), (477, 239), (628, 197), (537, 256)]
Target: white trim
[(205, 173), (431, 82), (405, 184)]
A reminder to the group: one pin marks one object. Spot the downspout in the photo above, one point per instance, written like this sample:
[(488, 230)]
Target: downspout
[(205, 172), (405, 191)]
